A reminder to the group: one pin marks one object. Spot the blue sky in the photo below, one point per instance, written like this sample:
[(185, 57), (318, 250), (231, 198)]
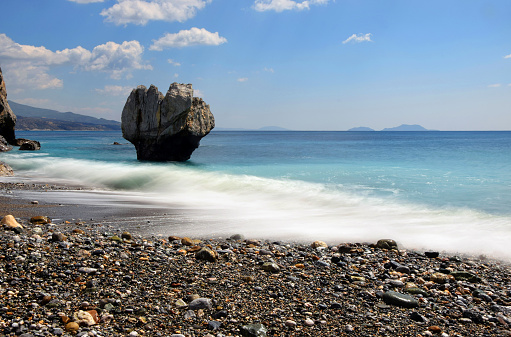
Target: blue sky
[(303, 65)]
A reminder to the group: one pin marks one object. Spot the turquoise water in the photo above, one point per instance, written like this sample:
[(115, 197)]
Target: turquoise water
[(438, 190)]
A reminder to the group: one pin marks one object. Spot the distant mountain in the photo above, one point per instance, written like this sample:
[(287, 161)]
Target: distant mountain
[(361, 128), (272, 128), (31, 118), (406, 127)]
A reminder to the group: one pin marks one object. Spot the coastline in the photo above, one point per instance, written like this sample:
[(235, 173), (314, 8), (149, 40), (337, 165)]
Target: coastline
[(138, 284)]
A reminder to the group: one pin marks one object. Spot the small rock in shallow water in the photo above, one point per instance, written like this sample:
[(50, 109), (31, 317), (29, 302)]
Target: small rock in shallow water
[(387, 244), (41, 220), (319, 244), (432, 255)]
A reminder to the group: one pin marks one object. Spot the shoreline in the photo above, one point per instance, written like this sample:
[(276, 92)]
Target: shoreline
[(134, 285)]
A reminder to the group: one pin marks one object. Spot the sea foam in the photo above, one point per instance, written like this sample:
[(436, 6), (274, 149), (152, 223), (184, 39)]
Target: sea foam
[(218, 204)]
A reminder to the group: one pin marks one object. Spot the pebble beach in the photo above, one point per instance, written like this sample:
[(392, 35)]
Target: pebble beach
[(84, 278)]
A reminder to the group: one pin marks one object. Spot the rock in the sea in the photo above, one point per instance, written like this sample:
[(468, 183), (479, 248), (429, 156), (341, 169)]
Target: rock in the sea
[(165, 128), (4, 145), (7, 117), (5, 170), (27, 144)]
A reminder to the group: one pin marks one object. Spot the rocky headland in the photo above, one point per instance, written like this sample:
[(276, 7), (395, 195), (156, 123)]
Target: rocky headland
[(7, 126), (165, 128)]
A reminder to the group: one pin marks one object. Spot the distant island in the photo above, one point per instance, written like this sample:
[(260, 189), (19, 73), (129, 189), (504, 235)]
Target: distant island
[(361, 128), (31, 118), (402, 127)]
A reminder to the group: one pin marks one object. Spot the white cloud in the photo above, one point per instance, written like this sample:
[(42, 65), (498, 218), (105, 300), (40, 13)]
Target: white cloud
[(496, 85), (30, 65), (242, 79), (117, 59), (33, 101), (114, 90), (269, 70), (285, 5), (357, 38), (140, 12), (507, 56), (176, 75), (85, 1), (198, 93), (185, 38), (174, 63)]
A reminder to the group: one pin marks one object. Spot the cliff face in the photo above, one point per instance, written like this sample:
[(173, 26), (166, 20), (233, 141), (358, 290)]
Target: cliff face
[(165, 128), (7, 117)]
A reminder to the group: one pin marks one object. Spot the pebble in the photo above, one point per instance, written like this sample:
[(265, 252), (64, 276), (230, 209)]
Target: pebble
[(253, 330), (402, 300), (200, 303), (146, 285)]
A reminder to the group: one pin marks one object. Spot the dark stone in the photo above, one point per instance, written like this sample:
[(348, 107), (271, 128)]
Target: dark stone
[(7, 117), (206, 254), (387, 244), (401, 300), (465, 276), (415, 316), (474, 315), (28, 145), (432, 255)]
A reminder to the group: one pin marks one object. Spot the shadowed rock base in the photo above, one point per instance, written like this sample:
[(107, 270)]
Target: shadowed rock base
[(176, 148)]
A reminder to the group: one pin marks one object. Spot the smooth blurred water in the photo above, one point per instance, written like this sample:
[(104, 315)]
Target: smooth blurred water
[(444, 190)]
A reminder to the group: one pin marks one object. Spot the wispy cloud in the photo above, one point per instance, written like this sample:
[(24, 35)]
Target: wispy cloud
[(496, 85), (285, 5), (507, 56), (242, 79), (174, 63), (357, 38), (186, 38), (140, 12), (33, 101), (269, 70), (114, 90), (26, 64)]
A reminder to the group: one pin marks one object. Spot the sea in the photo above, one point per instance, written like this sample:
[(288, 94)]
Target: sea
[(441, 191)]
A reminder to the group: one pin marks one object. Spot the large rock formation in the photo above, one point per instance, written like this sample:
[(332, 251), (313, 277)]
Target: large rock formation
[(165, 128), (7, 117)]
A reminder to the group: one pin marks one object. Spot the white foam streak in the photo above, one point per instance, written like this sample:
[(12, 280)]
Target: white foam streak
[(222, 204)]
